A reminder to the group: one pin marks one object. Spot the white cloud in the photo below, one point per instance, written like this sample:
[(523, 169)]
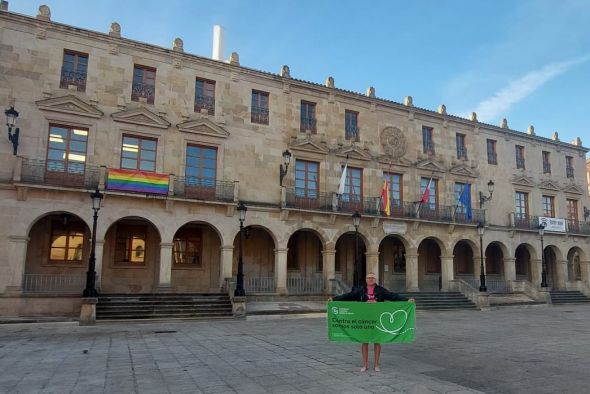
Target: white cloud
[(500, 103)]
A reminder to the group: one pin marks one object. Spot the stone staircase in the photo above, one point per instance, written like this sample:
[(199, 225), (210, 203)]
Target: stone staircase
[(440, 301), (568, 297), (163, 306)]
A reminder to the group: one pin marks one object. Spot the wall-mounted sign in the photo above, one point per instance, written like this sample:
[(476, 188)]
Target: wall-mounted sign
[(552, 224), (394, 228)]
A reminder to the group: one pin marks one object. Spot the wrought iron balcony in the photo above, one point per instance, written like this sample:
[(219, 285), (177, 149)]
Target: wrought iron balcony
[(520, 163), (462, 153), (428, 147), (492, 158), (259, 115), (577, 227), (139, 90), (546, 168), (73, 78), (205, 102), (59, 173), (352, 133), (569, 172), (308, 124), (205, 189)]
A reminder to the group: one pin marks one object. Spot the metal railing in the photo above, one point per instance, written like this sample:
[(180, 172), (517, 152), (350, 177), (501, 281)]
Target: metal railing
[(577, 227), (259, 115), (143, 90), (259, 285), (305, 285), (73, 78), (520, 163), (546, 168), (76, 175), (205, 102), (525, 221), (569, 172), (305, 199), (205, 189), (493, 284), (308, 124), (53, 284), (339, 287), (462, 153), (352, 133), (428, 147), (430, 282), (492, 158)]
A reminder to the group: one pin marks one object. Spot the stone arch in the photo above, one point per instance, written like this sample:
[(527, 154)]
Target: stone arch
[(317, 230), (494, 255), (575, 256), (260, 245), (304, 254), (443, 247), (392, 262), (348, 267), (465, 256), (213, 227), (524, 256), (33, 221), (430, 253), (103, 227), (347, 230)]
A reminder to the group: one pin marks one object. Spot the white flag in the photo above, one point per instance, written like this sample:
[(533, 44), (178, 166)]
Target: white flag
[(342, 182)]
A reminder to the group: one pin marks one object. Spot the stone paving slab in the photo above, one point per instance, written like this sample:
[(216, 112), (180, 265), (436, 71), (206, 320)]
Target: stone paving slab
[(538, 350)]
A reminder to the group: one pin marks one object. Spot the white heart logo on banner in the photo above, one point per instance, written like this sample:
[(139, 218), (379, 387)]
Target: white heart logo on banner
[(388, 319)]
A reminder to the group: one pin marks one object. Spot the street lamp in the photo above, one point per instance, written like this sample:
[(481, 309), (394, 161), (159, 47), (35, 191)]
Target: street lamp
[(483, 199), (482, 275), (11, 116), (239, 292), (90, 290), (356, 221), (544, 269), (283, 170)]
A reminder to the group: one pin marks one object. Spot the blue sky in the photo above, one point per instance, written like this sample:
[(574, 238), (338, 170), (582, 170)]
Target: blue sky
[(527, 61)]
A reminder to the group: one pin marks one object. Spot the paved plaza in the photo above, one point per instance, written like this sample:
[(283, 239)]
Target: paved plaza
[(542, 349)]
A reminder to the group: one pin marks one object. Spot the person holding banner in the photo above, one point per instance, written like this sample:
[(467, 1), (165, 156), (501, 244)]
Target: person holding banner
[(371, 292)]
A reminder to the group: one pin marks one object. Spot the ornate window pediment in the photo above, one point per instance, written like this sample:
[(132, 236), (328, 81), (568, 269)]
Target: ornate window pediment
[(463, 170), (203, 126), (353, 152), (573, 189), (522, 180), (430, 165), (398, 161), (309, 146), (69, 104), (141, 116), (549, 185)]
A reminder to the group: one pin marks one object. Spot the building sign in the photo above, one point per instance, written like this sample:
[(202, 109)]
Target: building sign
[(552, 224), (394, 228)]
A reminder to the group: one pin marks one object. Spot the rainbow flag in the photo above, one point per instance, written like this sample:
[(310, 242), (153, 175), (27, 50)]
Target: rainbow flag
[(137, 181)]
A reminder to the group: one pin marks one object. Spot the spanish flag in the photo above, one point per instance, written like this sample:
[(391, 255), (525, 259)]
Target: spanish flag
[(385, 198)]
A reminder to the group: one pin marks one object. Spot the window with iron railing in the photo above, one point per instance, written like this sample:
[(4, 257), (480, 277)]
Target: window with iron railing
[(351, 127), (74, 69), (546, 162), (492, 155), (427, 141), (572, 209), (520, 157), (548, 203), (259, 111), (144, 84), (66, 151), (201, 170), (308, 120), (569, 166), (461, 148), (205, 96), (521, 205)]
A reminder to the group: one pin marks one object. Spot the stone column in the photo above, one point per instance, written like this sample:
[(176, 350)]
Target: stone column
[(509, 272), (585, 272), (17, 257), (329, 263), (165, 277), (281, 271), (98, 254), (412, 271), (561, 273), (447, 273), (226, 263), (536, 270), (372, 262)]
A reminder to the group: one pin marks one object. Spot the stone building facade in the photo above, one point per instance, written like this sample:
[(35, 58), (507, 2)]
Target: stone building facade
[(94, 106)]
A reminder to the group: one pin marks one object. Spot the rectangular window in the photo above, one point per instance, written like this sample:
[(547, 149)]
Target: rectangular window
[(432, 200), (351, 125), (201, 171), (186, 249), (461, 148), (306, 179), (521, 205), (548, 206), (130, 244), (569, 166), (427, 141), (138, 153), (66, 151), (572, 209), (308, 121), (460, 190), (546, 162), (520, 157), (205, 96), (67, 243), (395, 183), (492, 155), (259, 112), (144, 84), (73, 70)]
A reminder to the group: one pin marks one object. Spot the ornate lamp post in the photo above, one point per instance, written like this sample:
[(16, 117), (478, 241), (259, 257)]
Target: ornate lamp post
[(11, 116), (356, 221), (544, 268), (283, 170), (483, 199), (482, 275), (90, 290), (239, 292)]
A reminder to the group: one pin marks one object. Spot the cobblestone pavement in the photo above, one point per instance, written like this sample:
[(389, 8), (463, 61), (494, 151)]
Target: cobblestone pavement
[(529, 350)]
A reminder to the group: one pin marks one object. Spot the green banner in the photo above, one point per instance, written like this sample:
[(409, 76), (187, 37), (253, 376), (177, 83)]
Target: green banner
[(377, 322)]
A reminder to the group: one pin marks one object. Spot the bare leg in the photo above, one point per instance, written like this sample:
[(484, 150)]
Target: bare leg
[(377, 355), (365, 355)]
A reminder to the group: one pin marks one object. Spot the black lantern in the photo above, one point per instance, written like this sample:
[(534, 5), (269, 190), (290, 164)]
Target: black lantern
[(283, 167), (11, 116), (483, 199), (90, 290), (239, 292), (482, 275)]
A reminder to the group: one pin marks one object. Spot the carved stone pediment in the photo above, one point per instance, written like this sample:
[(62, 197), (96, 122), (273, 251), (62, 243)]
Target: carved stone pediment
[(522, 180), (203, 126), (69, 104), (430, 165), (549, 185), (397, 161), (353, 152), (141, 116), (308, 145), (463, 170), (573, 189)]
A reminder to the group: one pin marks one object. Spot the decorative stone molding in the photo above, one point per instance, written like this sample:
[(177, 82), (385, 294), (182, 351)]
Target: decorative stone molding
[(522, 180), (353, 152), (474, 116), (115, 30), (234, 59), (41, 33), (178, 45), (549, 185), (531, 130), (114, 49), (408, 101), (442, 109), (285, 72), (44, 13), (142, 117), (504, 123), (69, 104), (204, 127), (555, 136), (577, 142), (463, 170), (430, 165), (393, 142), (308, 145), (371, 92), (573, 189), (330, 82)]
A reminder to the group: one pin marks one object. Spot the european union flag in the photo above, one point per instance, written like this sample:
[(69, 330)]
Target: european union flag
[(465, 199)]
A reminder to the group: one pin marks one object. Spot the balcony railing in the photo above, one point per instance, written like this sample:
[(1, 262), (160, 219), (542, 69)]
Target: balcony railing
[(428, 147), (308, 124), (205, 102), (73, 78), (525, 221), (492, 158), (520, 163), (577, 227), (139, 90), (259, 115), (204, 189), (53, 284), (569, 172), (546, 168), (305, 285), (352, 133), (58, 173), (462, 153)]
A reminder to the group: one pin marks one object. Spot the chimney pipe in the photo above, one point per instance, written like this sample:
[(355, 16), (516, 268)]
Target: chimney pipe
[(217, 43)]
